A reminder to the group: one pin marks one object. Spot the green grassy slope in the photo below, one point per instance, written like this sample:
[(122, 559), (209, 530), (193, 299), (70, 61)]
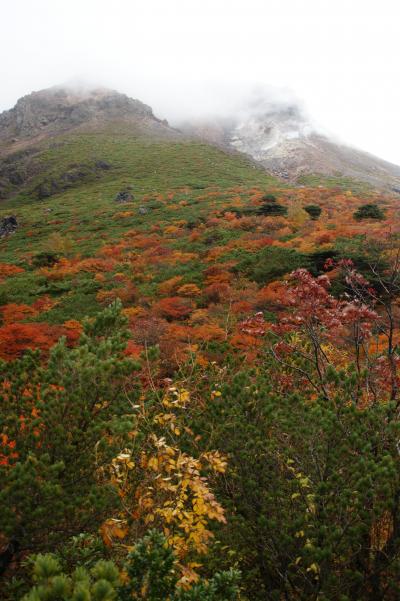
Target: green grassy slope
[(82, 219)]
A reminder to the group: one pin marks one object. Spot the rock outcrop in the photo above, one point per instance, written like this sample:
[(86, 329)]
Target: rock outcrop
[(8, 225), (60, 109), (123, 196)]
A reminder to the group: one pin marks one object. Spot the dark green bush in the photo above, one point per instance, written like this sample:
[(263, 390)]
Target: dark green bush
[(313, 210), (45, 259), (272, 208), (151, 574), (369, 211)]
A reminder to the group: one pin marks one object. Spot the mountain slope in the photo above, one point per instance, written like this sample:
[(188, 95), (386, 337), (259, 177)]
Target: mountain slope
[(190, 252), (42, 147), (288, 145)]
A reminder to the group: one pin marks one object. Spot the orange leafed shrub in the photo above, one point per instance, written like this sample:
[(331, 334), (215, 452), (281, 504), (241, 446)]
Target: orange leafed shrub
[(189, 290), (170, 286), (215, 253), (7, 270), (143, 241), (95, 264), (171, 229), (119, 277), (245, 341), (112, 251), (111, 530), (194, 236), (173, 350), (179, 257), (229, 216), (126, 295), (133, 349), (123, 214), (199, 316), (173, 307), (244, 307), (272, 294), (259, 243), (208, 332), (217, 275), (132, 313), (59, 271)]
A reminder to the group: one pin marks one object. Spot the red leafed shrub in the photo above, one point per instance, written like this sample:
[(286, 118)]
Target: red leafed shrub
[(12, 313), (5, 442), (255, 325), (44, 303), (174, 348), (173, 307), (133, 349), (218, 292), (147, 331), (72, 331), (15, 338), (313, 307), (324, 238)]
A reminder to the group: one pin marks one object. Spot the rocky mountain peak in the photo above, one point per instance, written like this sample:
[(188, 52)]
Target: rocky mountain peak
[(61, 108)]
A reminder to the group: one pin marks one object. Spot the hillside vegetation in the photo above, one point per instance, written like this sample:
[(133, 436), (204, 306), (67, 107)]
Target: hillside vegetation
[(199, 378)]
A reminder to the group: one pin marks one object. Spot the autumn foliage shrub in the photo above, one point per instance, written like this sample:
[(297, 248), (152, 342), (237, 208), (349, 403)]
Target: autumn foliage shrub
[(126, 294), (16, 338), (173, 307), (7, 270)]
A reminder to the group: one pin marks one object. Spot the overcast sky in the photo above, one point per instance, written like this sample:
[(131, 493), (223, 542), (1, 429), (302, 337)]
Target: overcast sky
[(191, 57)]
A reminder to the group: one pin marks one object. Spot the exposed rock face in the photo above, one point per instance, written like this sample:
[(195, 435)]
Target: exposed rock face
[(60, 109), (8, 225), (283, 139), (124, 196)]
